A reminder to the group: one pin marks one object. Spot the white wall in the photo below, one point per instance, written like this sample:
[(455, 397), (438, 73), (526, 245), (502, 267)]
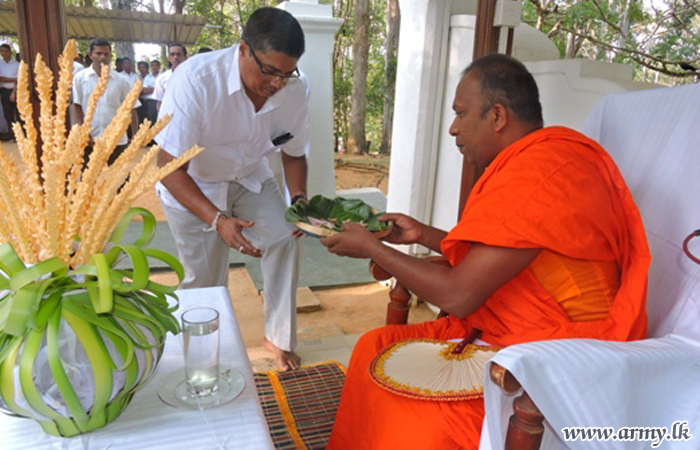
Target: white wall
[(319, 27)]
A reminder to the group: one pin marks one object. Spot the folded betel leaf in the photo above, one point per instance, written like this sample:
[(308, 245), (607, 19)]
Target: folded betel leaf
[(322, 216)]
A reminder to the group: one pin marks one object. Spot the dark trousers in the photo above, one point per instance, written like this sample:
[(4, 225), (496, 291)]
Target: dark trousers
[(118, 150), (142, 111), (152, 110), (9, 110)]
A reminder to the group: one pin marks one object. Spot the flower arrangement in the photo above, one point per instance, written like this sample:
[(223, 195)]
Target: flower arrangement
[(61, 226)]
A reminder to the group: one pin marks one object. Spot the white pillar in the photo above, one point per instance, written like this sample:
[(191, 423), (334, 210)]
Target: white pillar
[(319, 27), (449, 167), (419, 95)]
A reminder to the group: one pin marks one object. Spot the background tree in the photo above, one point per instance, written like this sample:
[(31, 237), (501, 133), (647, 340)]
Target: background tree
[(357, 142), (660, 39), (391, 44)]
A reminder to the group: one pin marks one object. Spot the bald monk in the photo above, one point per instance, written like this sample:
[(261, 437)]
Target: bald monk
[(550, 246)]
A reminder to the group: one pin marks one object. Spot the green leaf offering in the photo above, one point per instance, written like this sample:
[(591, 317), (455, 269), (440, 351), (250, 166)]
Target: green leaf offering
[(330, 214)]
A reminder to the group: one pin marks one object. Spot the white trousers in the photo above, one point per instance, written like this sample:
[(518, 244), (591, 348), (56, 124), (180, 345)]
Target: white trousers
[(205, 255)]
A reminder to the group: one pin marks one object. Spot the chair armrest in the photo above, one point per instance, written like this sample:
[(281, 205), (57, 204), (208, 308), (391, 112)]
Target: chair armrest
[(525, 428), (399, 296)]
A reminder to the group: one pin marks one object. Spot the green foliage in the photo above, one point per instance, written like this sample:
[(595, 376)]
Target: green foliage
[(653, 37), (334, 212)]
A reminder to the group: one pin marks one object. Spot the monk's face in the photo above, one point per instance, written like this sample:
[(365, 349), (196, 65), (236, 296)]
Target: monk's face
[(471, 126)]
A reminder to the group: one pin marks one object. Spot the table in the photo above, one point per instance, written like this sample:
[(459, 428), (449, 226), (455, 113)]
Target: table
[(148, 423)]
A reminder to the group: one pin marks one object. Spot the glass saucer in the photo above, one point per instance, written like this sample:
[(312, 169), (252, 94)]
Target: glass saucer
[(173, 390)]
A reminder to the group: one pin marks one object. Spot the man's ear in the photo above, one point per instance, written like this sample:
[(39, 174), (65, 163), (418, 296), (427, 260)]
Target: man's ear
[(242, 47), (500, 117)]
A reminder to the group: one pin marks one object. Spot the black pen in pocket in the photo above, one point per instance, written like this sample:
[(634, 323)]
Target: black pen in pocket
[(282, 139)]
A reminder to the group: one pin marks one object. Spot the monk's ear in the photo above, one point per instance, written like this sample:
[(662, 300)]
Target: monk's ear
[(499, 117)]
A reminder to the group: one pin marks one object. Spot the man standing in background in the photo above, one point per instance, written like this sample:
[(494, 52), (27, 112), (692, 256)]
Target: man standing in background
[(9, 68), (149, 83), (118, 88), (177, 54), (129, 75)]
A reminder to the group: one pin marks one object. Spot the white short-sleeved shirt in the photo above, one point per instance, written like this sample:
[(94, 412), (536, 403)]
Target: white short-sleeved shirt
[(9, 69), (130, 78), (148, 81), (117, 89), (155, 84), (77, 67), (161, 84), (209, 107)]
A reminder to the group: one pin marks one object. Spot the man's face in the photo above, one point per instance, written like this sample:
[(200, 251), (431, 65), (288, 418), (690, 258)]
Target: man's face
[(101, 55), (176, 56), (155, 67), (128, 66), (261, 84), (143, 70), (472, 129), (5, 53)]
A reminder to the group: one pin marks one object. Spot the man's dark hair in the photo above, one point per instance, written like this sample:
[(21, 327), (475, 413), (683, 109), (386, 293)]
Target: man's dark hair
[(126, 58), (99, 42), (175, 44), (274, 29), (507, 81), (155, 61), (142, 63), (6, 46), (204, 50)]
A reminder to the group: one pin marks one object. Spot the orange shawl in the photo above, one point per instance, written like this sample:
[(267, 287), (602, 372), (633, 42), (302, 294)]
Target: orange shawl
[(559, 190)]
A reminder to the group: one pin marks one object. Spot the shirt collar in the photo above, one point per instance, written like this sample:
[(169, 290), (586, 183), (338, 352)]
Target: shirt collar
[(234, 83), (112, 73)]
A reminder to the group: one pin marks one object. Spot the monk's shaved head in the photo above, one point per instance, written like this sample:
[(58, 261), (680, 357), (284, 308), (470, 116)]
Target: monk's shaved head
[(507, 81)]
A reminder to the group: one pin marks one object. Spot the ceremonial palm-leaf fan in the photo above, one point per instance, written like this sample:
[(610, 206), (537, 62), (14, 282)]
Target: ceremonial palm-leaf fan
[(429, 369)]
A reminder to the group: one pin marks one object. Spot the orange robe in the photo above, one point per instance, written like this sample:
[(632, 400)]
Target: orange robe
[(553, 189)]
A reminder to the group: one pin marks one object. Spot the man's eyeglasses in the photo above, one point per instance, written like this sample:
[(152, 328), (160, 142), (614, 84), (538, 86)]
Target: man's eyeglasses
[(274, 72)]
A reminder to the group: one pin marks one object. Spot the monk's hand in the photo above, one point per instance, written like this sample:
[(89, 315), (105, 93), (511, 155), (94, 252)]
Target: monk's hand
[(406, 230), (231, 231), (354, 241)]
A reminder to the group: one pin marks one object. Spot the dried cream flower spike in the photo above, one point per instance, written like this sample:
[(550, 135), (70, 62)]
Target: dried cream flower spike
[(45, 213)]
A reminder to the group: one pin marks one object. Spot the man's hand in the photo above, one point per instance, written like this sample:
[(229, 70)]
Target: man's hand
[(231, 231), (406, 230), (354, 241)]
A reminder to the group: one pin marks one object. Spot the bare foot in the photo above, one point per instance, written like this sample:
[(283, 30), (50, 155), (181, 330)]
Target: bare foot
[(285, 360)]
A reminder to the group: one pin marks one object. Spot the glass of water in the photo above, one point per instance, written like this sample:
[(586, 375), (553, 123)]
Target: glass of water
[(200, 330)]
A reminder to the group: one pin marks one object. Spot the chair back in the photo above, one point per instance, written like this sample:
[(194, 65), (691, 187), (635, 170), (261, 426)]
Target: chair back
[(654, 137)]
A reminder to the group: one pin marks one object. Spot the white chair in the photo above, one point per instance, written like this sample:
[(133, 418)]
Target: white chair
[(654, 137)]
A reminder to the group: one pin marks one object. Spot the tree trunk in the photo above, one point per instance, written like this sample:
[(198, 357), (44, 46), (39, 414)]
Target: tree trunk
[(357, 142), (393, 21), (122, 49)]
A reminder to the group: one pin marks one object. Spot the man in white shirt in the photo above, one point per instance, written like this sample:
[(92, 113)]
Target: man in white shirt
[(84, 84), (9, 68), (177, 54), (153, 102), (241, 104), (128, 73), (149, 82)]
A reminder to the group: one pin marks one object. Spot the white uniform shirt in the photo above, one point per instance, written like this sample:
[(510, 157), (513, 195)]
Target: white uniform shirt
[(9, 70), (210, 108), (161, 84), (155, 85), (149, 81), (77, 67), (130, 78), (117, 89)]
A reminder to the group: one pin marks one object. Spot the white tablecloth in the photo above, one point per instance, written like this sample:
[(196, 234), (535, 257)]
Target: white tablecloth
[(148, 423)]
